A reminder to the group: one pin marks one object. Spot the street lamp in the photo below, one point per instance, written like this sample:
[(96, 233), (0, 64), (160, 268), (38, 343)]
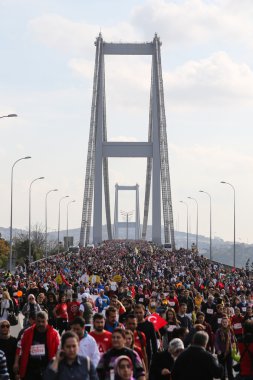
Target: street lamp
[(10, 115), (227, 183), (22, 158), (59, 221), (30, 204), (197, 222), (50, 191), (68, 223), (210, 199), (187, 224), (127, 214)]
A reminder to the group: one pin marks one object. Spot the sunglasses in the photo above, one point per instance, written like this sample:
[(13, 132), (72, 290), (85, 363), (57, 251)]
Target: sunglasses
[(5, 326)]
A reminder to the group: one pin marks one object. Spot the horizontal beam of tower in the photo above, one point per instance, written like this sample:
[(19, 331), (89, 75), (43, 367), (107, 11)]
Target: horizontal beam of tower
[(128, 49), (125, 224), (127, 149), (127, 187)]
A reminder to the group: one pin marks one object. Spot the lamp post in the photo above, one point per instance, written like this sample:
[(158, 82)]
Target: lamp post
[(197, 222), (59, 221), (50, 191), (10, 115), (127, 214), (187, 224), (210, 199), (68, 223), (227, 183), (30, 207), (22, 158)]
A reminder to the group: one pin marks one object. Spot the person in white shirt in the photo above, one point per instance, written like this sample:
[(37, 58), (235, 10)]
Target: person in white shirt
[(87, 344)]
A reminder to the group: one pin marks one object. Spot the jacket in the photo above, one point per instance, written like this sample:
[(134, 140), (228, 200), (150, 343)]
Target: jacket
[(53, 342), (195, 363), (245, 347)]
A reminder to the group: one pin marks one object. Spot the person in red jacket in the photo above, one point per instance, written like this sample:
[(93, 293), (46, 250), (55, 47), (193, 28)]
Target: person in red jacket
[(173, 300), (245, 347), (39, 344), (237, 323)]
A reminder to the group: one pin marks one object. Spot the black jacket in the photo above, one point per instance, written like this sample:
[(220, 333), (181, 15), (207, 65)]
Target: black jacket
[(160, 360), (195, 363)]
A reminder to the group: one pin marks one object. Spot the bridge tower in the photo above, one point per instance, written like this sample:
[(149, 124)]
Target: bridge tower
[(155, 150), (136, 224)]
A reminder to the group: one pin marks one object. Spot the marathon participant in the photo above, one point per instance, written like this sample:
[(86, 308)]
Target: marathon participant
[(116, 303), (102, 301), (139, 338), (139, 265), (128, 305), (102, 337), (8, 345), (73, 308), (60, 313), (39, 345), (130, 344), (4, 375), (183, 316), (30, 307), (123, 368), (249, 314), (173, 300), (148, 329), (111, 322), (195, 363), (87, 344), (237, 322), (245, 347), (68, 364), (105, 368), (51, 304), (223, 341), (163, 362)]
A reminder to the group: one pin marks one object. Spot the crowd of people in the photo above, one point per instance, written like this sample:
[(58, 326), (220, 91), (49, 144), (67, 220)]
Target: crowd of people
[(127, 310)]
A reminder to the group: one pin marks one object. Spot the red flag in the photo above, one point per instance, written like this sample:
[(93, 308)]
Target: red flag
[(64, 279), (157, 321)]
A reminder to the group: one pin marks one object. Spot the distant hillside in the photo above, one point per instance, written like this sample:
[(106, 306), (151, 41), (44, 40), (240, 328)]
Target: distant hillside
[(222, 250)]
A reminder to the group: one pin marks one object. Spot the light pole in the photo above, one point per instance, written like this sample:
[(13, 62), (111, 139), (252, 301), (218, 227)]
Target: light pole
[(127, 214), (227, 183), (68, 223), (30, 206), (210, 199), (187, 224), (10, 115), (59, 221), (22, 158), (50, 191), (197, 222)]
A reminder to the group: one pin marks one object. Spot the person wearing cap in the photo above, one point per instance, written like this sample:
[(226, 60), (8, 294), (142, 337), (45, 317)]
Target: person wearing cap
[(86, 311), (195, 363), (163, 362), (8, 345)]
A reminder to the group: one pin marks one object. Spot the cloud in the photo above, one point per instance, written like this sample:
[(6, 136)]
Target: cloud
[(63, 34), (216, 80), (196, 21), (82, 67), (198, 156)]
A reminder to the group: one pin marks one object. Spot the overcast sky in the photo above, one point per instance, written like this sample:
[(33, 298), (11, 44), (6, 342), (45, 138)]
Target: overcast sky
[(46, 73)]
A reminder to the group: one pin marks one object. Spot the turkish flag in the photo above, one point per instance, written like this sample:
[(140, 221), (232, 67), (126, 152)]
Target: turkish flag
[(157, 321)]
